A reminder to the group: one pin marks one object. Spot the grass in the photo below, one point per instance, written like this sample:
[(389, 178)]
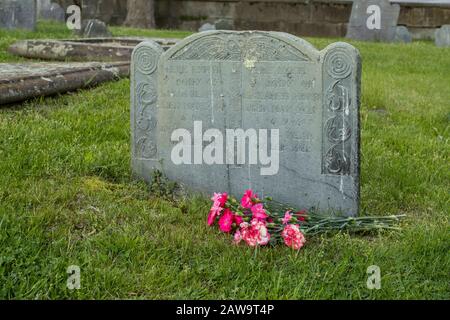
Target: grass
[(67, 197)]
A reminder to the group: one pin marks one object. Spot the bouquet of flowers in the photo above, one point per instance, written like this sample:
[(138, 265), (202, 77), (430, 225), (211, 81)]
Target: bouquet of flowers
[(259, 222)]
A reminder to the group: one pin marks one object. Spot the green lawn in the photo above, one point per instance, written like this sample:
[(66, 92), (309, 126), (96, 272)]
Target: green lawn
[(67, 197)]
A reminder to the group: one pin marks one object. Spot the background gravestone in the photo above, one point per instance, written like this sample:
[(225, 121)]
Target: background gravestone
[(40, 4), (207, 27), (442, 36), (221, 24), (93, 28), (402, 34), (358, 28), (18, 14), (52, 11), (260, 80)]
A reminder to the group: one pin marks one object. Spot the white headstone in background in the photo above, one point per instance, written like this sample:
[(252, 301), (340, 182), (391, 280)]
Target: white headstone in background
[(51, 11), (442, 36)]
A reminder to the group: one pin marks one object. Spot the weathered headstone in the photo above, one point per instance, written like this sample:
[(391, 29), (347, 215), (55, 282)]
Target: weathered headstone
[(18, 14), (221, 24), (93, 28), (207, 27), (442, 36), (373, 20), (52, 11), (298, 106), (21, 81), (41, 4), (402, 34)]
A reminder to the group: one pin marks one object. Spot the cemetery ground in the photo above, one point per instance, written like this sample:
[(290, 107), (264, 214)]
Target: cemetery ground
[(68, 198)]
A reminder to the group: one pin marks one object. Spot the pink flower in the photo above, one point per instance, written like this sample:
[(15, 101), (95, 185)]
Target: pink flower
[(259, 212), (211, 217), (219, 201), (293, 237), (238, 219), (213, 214), (244, 225), (226, 221), (287, 217), (237, 237), (249, 236), (301, 215), (246, 200), (255, 233)]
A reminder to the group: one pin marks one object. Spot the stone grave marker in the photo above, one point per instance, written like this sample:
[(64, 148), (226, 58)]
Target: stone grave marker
[(93, 28), (221, 24), (40, 4), (373, 20), (202, 113), (442, 36), (18, 14), (223, 111), (206, 27), (52, 11), (402, 34)]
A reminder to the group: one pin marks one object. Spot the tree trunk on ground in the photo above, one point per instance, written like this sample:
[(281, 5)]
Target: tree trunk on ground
[(140, 14)]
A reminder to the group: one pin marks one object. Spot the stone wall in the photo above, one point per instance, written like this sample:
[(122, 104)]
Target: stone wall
[(300, 17)]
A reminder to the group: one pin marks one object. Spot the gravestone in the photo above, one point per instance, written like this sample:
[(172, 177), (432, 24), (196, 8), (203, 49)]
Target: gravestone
[(298, 106), (18, 14), (442, 36), (221, 24), (93, 28), (207, 27), (41, 4), (402, 34), (52, 11), (373, 20)]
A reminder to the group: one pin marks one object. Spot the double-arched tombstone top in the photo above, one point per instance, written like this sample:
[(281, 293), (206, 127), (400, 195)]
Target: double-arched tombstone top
[(238, 46)]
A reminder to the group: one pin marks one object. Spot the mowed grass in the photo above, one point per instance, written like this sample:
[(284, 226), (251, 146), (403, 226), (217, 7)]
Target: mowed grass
[(67, 197)]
